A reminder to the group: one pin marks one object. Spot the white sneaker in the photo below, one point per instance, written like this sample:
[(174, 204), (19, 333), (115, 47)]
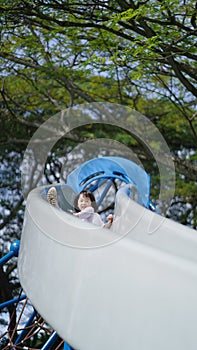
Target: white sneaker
[(52, 197)]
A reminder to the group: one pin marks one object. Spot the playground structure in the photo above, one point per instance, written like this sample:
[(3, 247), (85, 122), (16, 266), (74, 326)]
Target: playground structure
[(131, 287)]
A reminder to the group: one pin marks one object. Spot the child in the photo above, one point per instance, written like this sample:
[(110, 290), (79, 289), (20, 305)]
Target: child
[(85, 207)]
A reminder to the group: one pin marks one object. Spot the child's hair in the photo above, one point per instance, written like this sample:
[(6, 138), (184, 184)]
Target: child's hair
[(87, 194)]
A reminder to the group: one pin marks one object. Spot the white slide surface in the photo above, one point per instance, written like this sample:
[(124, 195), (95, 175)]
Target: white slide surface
[(133, 287)]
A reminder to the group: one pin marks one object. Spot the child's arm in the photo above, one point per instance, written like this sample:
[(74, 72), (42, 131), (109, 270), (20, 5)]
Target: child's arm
[(73, 213)]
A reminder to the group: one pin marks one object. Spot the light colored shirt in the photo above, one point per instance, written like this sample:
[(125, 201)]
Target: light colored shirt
[(88, 214)]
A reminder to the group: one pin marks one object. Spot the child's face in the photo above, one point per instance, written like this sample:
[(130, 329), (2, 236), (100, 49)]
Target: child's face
[(84, 202)]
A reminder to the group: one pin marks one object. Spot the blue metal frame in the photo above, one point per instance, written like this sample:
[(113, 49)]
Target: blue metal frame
[(50, 341), (24, 332), (14, 250), (67, 347), (12, 301), (106, 189)]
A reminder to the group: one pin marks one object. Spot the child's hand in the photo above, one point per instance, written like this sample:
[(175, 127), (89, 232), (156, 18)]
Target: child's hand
[(110, 218), (70, 211), (109, 221)]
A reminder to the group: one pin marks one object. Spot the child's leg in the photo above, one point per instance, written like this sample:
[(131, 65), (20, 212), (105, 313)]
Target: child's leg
[(52, 197)]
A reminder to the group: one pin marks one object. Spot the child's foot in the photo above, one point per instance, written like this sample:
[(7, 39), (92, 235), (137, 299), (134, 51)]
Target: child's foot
[(52, 197)]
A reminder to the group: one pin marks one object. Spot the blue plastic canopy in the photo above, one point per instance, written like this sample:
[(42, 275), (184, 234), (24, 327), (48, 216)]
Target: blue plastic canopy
[(100, 169)]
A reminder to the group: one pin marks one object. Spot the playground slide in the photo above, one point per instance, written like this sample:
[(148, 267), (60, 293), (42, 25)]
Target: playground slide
[(131, 287)]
